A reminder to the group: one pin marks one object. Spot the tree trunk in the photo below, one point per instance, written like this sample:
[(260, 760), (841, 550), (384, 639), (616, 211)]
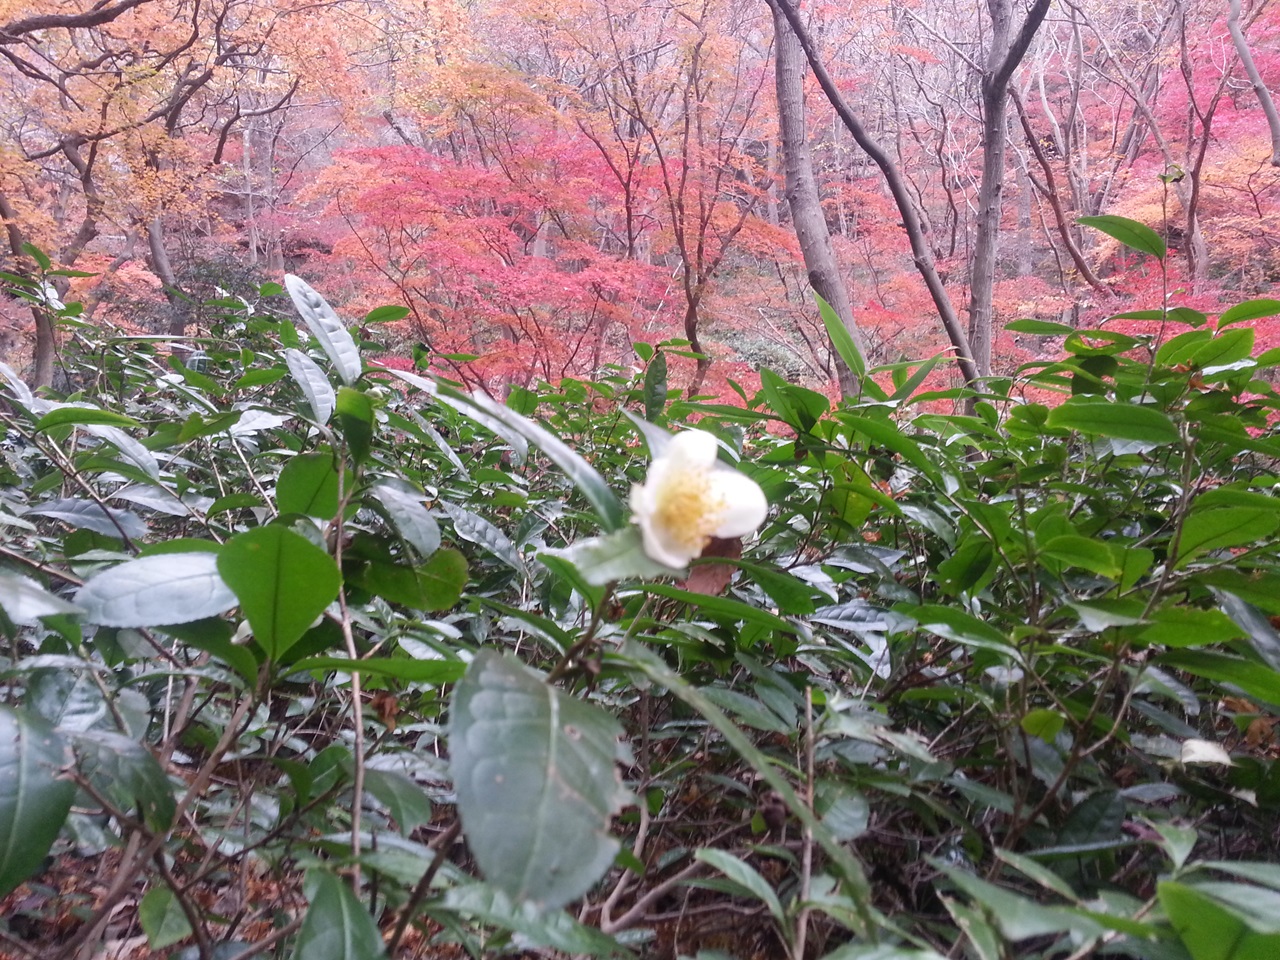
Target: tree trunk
[(921, 253), (46, 335), (807, 216), (162, 267), (1003, 57), (1255, 78)]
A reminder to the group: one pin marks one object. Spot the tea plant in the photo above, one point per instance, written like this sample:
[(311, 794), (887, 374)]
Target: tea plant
[(310, 656)]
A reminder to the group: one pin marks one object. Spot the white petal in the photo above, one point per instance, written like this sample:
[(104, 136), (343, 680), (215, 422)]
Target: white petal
[(691, 448), (745, 505), (662, 550)]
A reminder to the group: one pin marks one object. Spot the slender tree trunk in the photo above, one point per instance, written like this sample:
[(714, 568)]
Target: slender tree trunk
[(807, 216), (1255, 78), (1049, 189), (46, 337), (921, 253), (1003, 57), (162, 266)]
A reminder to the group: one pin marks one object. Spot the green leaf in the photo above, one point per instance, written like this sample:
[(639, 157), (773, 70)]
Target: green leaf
[(233, 501), (403, 503), (308, 484), (125, 771), (196, 426), (34, 796), (655, 386), (477, 529), (1225, 348), (1044, 328), (24, 601), (549, 928), (886, 434), (615, 556), (432, 672), (468, 407), (1249, 310), (406, 801), (844, 810), (580, 473), (750, 711), (1253, 678), (968, 566), (721, 607), (1120, 420), (39, 256), (1181, 626), (355, 413), (337, 926), (325, 326), (1210, 930), (386, 314), (436, 585), (534, 770), (83, 415), (155, 591), (841, 339), (1131, 233), (259, 378), (744, 876), (1045, 724), (442, 579), (959, 626), (162, 918), (1018, 917), (283, 582), (1206, 530), (314, 384), (1082, 552)]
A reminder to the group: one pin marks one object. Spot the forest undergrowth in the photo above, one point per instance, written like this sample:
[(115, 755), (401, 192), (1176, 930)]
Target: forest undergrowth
[(309, 657)]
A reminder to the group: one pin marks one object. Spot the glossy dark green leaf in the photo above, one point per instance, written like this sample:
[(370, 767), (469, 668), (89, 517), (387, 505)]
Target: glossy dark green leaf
[(35, 797), (308, 484), (355, 413), (1249, 310), (1206, 530), (1043, 328), (283, 582), (1120, 420), (84, 415), (125, 770), (386, 314), (655, 386)]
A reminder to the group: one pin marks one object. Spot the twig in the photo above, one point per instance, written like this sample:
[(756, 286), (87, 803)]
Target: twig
[(440, 845), (806, 836)]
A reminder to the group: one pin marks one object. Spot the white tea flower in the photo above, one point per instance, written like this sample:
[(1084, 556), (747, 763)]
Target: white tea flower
[(689, 497)]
